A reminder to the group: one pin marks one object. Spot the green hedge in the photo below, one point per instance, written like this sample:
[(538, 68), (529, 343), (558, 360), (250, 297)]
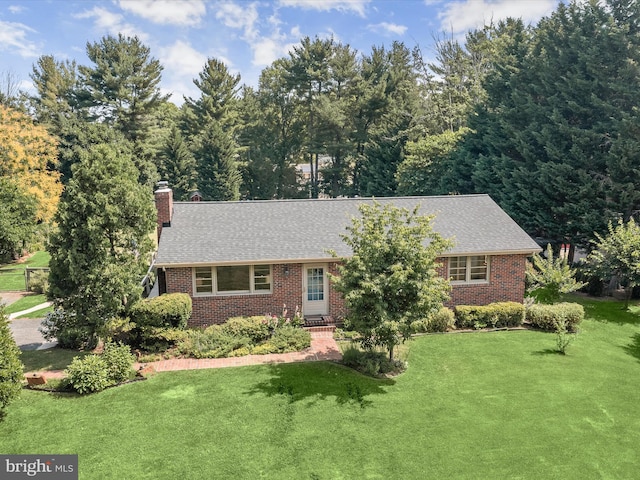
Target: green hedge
[(546, 317), (441, 321), (172, 310), (494, 315)]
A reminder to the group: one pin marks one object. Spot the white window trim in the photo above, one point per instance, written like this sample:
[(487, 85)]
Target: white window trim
[(214, 284), (467, 280)]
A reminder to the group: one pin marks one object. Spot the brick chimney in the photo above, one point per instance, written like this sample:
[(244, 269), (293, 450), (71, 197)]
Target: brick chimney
[(164, 205)]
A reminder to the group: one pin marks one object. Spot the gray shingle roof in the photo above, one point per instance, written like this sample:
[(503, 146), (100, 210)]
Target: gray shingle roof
[(290, 230)]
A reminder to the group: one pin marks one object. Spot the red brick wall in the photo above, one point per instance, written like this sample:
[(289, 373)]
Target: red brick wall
[(506, 283), (207, 310), (164, 206)]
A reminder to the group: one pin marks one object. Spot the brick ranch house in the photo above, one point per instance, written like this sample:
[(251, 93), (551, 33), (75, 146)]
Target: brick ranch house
[(253, 257)]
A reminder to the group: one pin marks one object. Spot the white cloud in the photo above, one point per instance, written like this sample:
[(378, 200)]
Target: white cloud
[(182, 57), (387, 28), (462, 16), (16, 8), (243, 17), (112, 23), (13, 38), (184, 12), (182, 64), (355, 6)]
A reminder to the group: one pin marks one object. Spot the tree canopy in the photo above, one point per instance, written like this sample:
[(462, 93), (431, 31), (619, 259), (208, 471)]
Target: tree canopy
[(392, 277)]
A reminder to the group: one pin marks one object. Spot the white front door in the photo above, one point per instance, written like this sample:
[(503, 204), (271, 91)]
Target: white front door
[(315, 290)]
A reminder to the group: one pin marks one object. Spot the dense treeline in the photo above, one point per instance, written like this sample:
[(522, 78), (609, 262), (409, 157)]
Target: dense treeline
[(542, 118)]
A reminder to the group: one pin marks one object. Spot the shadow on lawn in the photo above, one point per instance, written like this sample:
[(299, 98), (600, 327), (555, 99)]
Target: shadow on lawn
[(633, 348), (546, 351), (608, 310), (319, 381)]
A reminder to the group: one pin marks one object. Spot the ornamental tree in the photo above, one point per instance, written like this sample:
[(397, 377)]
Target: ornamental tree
[(618, 255), (391, 279), (550, 277), (27, 157)]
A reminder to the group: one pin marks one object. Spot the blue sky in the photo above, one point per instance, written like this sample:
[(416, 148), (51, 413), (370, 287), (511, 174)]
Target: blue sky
[(246, 35)]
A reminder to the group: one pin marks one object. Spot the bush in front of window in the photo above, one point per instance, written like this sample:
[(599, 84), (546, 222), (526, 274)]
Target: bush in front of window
[(172, 310), (494, 315)]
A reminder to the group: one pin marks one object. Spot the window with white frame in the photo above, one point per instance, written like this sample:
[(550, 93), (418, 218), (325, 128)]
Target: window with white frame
[(232, 279), (471, 269)]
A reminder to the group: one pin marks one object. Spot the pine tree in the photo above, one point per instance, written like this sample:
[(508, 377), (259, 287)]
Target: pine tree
[(122, 90), (218, 176), (177, 165)]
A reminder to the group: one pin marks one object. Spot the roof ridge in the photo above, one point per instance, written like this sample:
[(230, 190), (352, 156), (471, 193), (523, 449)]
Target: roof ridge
[(333, 199)]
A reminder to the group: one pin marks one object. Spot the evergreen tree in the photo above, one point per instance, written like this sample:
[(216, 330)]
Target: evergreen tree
[(308, 79), (18, 219), (552, 143), (218, 99), (270, 138), (122, 90), (102, 247), (11, 375), (384, 150), (177, 165), (218, 174)]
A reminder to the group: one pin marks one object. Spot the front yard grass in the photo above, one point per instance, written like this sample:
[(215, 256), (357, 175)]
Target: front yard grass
[(472, 405), (49, 359)]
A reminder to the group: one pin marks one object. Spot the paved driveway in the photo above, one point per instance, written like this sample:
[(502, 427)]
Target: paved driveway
[(26, 334), (25, 330)]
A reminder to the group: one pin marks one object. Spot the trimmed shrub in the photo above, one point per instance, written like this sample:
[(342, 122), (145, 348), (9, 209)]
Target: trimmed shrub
[(10, 366), (255, 328), (290, 339), (172, 310), (372, 363), (88, 374), (441, 321), (547, 317), (119, 362), (494, 315)]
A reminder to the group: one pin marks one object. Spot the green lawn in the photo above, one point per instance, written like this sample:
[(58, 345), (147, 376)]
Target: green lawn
[(49, 359), (25, 303), (475, 405), (12, 274)]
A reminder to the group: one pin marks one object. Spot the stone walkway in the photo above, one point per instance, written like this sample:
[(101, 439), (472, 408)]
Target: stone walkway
[(323, 347)]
